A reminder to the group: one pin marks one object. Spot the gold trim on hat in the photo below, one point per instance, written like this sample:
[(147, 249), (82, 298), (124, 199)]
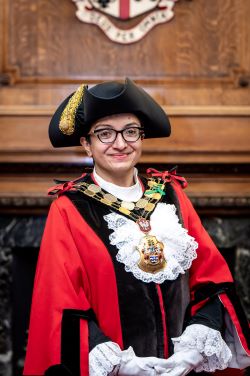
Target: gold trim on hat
[(67, 120)]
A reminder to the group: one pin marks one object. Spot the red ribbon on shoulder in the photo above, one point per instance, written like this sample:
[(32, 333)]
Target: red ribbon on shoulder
[(63, 187), (168, 176)]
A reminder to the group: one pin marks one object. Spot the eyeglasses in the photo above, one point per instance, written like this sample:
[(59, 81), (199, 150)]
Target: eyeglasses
[(109, 135)]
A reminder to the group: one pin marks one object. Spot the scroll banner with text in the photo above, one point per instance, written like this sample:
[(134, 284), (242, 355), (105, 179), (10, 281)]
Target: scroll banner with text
[(101, 12)]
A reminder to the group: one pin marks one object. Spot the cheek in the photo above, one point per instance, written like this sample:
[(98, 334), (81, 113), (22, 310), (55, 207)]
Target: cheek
[(138, 148), (100, 152)]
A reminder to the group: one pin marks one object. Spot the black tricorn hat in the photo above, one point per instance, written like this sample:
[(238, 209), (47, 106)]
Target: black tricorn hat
[(76, 114)]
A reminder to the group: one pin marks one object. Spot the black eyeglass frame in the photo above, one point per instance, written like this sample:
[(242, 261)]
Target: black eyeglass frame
[(141, 129)]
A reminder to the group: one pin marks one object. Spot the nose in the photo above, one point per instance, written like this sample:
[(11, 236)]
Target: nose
[(119, 142)]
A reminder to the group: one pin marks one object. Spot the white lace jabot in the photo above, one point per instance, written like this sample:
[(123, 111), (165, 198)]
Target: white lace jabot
[(179, 246), (132, 193)]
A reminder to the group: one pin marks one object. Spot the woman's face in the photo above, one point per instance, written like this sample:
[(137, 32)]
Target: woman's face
[(117, 158)]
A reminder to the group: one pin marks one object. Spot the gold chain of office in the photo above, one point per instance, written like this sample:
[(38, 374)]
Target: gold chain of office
[(152, 259), (151, 197)]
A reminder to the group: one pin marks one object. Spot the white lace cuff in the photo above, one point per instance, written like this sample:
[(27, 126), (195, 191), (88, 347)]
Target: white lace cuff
[(216, 353), (104, 358)]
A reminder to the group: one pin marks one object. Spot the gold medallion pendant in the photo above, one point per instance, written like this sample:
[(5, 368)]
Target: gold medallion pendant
[(152, 258)]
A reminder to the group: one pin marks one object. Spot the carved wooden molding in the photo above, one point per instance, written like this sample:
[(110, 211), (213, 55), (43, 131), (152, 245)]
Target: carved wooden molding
[(205, 190), (221, 201), (193, 137), (47, 110), (12, 75), (208, 201), (25, 201)]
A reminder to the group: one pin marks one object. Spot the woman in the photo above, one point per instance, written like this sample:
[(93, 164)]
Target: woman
[(128, 281)]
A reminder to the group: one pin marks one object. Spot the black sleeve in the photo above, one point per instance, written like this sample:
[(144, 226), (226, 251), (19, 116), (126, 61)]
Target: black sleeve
[(70, 342), (96, 336), (211, 315)]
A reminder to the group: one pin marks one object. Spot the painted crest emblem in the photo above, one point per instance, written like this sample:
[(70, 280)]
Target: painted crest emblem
[(152, 258), (101, 12)]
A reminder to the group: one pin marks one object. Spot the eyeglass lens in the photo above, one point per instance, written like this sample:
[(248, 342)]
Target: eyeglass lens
[(108, 135)]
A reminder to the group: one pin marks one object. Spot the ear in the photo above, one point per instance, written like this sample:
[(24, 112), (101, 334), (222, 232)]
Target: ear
[(86, 144)]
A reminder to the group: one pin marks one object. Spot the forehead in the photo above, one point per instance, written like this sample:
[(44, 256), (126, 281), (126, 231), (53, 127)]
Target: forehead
[(117, 120)]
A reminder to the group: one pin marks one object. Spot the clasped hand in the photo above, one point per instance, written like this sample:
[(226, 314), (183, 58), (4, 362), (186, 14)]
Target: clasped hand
[(179, 364)]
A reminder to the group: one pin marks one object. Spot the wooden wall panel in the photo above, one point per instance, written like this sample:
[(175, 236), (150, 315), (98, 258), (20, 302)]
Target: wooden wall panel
[(197, 136), (197, 66), (46, 41)]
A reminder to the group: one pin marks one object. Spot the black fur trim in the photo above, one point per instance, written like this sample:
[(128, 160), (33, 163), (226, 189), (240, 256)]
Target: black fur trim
[(58, 370), (211, 315), (96, 336), (70, 338), (211, 289)]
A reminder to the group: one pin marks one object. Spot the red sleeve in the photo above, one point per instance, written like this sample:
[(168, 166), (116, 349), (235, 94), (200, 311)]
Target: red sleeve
[(60, 284), (209, 266)]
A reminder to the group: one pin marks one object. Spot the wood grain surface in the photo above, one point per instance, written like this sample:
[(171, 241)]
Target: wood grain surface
[(197, 66)]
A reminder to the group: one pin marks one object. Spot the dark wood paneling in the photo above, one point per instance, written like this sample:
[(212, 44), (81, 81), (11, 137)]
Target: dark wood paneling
[(205, 40), (197, 66)]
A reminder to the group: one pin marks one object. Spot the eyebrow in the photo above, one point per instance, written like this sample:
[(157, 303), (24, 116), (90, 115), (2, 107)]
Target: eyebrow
[(105, 126)]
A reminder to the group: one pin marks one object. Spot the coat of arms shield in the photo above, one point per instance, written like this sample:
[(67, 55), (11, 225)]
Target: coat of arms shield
[(101, 13), (124, 9)]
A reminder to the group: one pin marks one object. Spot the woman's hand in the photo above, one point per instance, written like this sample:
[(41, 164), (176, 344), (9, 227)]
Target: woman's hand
[(132, 365), (180, 363)]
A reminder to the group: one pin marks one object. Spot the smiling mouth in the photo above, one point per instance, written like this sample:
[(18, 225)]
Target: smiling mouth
[(120, 156)]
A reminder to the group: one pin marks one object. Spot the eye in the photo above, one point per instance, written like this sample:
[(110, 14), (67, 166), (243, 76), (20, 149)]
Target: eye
[(131, 132), (105, 133)]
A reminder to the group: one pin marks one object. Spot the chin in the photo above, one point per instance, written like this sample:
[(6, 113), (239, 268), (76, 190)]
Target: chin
[(122, 167)]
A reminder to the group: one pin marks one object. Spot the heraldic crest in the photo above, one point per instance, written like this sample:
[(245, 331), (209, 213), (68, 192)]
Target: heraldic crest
[(101, 12)]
